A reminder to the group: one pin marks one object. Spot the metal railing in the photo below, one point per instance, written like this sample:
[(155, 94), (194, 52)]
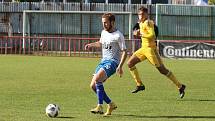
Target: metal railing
[(54, 46)]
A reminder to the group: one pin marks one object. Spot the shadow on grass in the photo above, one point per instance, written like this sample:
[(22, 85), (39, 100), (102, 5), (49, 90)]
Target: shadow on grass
[(206, 100), (66, 117), (169, 117), (200, 100)]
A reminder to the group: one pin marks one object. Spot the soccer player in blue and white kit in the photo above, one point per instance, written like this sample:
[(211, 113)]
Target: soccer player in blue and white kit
[(113, 57)]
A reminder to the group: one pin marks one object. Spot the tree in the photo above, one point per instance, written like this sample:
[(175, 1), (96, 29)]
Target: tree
[(211, 2)]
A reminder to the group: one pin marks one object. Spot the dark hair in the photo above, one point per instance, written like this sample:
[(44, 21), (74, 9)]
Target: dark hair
[(145, 10), (109, 16)]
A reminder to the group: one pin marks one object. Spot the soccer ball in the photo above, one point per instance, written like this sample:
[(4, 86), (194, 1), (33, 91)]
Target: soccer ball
[(52, 110)]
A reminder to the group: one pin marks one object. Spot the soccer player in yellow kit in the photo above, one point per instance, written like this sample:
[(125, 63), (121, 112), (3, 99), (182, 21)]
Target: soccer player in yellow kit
[(149, 51)]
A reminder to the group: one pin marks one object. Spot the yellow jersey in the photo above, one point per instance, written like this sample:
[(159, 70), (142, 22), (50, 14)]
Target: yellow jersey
[(147, 34)]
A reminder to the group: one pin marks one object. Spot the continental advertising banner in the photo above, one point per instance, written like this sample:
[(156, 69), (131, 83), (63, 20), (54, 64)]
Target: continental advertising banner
[(186, 50)]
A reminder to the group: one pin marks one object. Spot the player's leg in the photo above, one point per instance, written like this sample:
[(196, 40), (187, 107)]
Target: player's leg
[(105, 75), (97, 85), (102, 73), (105, 97), (109, 68), (133, 60), (163, 70), (155, 60)]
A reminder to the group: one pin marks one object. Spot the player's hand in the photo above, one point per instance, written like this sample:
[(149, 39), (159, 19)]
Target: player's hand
[(137, 33), (119, 71), (87, 47)]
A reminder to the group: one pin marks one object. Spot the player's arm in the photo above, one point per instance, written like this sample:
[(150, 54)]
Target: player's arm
[(136, 33), (97, 44), (150, 30), (136, 30), (93, 45), (122, 61), (136, 26), (122, 45), (123, 58)]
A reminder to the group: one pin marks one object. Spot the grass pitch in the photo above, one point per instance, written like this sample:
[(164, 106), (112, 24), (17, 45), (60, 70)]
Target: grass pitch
[(29, 83)]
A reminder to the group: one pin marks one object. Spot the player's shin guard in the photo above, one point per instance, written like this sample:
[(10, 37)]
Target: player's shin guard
[(135, 75), (101, 94), (106, 98), (171, 76)]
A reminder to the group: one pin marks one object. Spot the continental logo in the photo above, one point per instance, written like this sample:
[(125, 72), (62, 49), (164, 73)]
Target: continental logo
[(187, 52)]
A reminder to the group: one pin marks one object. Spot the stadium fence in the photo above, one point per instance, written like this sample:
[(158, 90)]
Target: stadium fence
[(175, 22), (74, 47), (54, 46)]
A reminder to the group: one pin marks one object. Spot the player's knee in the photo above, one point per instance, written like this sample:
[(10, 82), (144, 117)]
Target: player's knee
[(93, 86), (163, 70), (130, 64)]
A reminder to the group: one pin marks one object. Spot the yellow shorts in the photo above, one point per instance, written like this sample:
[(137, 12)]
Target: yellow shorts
[(151, 54)]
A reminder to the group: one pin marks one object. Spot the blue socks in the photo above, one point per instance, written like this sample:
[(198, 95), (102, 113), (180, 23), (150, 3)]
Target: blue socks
[(101, 94)]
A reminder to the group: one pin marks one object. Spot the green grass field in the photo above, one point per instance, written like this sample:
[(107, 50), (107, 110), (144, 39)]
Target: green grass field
[(29, 83)]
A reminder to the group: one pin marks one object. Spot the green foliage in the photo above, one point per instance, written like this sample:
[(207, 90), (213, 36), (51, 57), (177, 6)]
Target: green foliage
[(211, 2), (29, 83)]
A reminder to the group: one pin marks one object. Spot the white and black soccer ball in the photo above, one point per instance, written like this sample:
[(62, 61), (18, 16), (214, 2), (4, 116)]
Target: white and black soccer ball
[(52, 110)]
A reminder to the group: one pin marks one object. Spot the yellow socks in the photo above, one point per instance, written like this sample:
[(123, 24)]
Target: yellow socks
[(171, 76), (135, 75)]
